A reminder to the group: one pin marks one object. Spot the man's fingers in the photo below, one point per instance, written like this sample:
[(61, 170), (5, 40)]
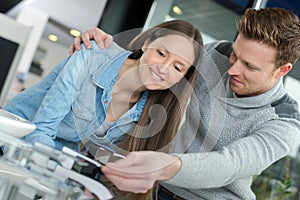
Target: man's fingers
[(71, 49), (108, 41), (131, 172), (129, 167), (77, 43), (102, 39), (131, 185), (75, 46), (86, 37)]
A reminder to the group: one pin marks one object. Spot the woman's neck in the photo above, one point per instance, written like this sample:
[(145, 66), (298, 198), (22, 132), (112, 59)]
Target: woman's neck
[(126, 91), (129, 77), (128, 82)]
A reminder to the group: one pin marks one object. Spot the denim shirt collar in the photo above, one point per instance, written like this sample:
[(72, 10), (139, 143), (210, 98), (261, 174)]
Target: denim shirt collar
[(106, 76), (135, 112)]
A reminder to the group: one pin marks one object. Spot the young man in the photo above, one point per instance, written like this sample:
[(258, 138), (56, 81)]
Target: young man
[(239, 121)]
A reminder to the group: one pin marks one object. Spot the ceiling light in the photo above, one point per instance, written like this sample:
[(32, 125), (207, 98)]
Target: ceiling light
[(74, 33), (53, 38), (168, 18), (177, 10)]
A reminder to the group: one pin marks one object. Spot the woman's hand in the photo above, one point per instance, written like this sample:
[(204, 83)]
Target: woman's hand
[(140, 170), (103, 40)]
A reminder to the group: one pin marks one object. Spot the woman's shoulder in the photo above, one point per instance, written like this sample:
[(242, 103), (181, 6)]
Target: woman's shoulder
[(95, 54), (113, 49)]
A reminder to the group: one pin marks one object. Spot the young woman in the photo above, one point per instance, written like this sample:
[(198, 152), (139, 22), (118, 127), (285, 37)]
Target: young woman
[(133, 98)]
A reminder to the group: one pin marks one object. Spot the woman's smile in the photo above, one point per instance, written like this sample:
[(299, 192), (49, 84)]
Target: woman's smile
[(155, 74)]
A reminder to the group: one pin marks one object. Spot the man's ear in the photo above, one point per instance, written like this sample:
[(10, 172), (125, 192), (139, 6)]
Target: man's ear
[(145, 45), (284, 69)]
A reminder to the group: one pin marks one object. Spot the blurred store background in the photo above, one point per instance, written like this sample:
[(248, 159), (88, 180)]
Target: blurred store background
[(38, 34)]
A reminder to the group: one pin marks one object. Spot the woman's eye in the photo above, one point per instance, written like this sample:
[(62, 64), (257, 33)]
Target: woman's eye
[(161, 53), (178, 68)]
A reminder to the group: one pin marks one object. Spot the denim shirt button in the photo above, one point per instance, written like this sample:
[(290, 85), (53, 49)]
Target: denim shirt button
[(106, 102)]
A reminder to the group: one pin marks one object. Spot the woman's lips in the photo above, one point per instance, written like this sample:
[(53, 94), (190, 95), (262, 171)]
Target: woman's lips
[(156, 76)]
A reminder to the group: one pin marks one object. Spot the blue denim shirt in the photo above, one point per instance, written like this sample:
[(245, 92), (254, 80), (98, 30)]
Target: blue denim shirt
[(72, 101)]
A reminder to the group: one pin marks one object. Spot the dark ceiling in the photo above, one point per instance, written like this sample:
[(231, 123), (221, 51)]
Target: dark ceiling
[(6, 5), (236, 5), (239, 6)]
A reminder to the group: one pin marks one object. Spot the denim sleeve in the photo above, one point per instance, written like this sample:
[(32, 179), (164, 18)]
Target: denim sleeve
[(26, 103), (57, 102)]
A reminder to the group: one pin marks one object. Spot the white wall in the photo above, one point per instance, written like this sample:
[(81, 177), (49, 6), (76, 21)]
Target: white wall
[(37, 20), (55, 53)]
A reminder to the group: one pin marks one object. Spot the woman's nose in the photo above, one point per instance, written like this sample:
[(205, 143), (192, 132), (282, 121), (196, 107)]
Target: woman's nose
[(163, 68)]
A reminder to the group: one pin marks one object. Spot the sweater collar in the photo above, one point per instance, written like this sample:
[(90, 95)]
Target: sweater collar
[(256, 101)]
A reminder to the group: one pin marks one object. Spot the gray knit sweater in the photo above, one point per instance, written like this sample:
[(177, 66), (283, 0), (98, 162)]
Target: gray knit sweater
[(226, 140)]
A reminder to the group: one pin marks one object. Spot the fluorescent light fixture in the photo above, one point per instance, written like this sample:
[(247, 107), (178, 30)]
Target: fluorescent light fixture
[(53, 38), (177, 10), (74, 33)]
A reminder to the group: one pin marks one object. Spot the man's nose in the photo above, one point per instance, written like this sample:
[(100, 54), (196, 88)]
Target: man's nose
[(235, 68)]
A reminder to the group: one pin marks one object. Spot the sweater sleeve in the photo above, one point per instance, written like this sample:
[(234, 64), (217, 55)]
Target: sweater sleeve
[(243, 158)]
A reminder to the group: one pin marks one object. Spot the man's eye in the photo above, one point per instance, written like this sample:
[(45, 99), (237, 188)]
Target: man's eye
[(249, 66), (233, 56)]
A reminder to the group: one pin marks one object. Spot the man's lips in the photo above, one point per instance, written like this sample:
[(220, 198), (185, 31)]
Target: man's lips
[(235, 81)]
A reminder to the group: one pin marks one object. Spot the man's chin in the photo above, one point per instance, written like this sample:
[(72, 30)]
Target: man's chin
[(236, 91)]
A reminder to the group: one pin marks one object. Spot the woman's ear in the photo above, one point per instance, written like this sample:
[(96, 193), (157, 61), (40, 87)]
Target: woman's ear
[(145, 45)]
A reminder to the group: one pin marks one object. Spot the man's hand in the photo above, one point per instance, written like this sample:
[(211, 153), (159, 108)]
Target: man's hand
[(103, 40), (140, 170)]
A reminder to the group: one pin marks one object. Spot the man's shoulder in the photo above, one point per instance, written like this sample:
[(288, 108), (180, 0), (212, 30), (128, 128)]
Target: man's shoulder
[(287, 107), (216, 56), (223, 47)]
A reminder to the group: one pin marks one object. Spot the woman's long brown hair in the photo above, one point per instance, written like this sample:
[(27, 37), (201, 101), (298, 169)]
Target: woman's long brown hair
[(162, 114), (152, 131)]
